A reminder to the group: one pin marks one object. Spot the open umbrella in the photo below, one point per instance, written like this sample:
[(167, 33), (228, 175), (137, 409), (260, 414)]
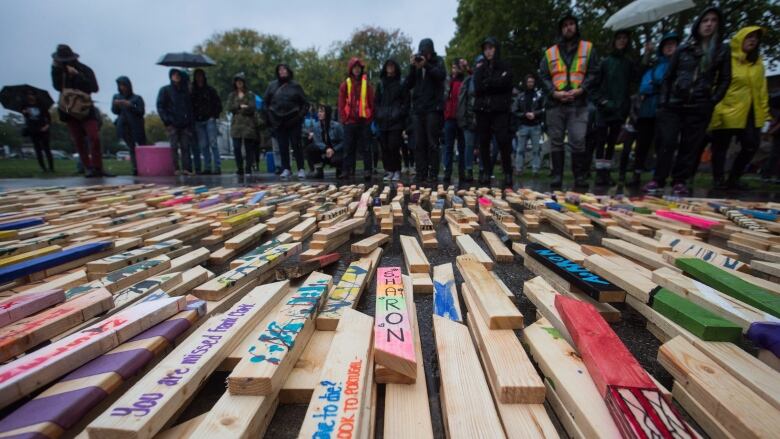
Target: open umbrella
[(646, 11), (14, 97), (184, 59)]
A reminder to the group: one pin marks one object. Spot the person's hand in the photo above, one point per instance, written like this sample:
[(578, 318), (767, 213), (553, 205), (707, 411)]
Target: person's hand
[(244, 106), (72, 71), (576, 92), (329, 152), (311, 135), (45, 128), (530, 116), (560, 95)]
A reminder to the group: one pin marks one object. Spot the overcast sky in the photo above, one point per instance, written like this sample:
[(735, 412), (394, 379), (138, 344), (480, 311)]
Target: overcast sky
[(127, 37)]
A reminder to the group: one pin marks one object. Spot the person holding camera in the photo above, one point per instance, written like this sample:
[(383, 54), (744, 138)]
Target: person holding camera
[(426, 82), (492, 104), (697, 79), (76, 82)]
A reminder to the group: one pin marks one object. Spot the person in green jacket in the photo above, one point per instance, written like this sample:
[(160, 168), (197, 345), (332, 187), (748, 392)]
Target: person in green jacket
[(243, 129), (618, 74)]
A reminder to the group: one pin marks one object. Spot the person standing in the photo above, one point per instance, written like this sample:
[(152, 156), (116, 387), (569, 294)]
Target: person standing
[(467, 119), (568, 72), (129, 109), (492, 104), (528, 108), (284, 105), (743, 110), (326, 142), (37, 122), (206, 108), (241, 104), (612, 97), (391, 109), (649, 93), (76, 82), (426, 81), (174, 105), (356, 108), (452, 132), (697, 78)]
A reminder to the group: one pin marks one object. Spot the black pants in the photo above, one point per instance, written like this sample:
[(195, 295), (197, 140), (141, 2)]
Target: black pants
[(642, 140), (288, 137), (749, 140), (607, 133), (681, 132), (391, 141), (250, 146), (427, 130), (316, 157), (407, 150), (40, 141), (495, 125), (356, 135), (771, 167), (131, 144)]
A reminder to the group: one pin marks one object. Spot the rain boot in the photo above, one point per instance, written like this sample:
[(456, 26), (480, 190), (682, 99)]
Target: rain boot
[(557, 158), (579, 164)]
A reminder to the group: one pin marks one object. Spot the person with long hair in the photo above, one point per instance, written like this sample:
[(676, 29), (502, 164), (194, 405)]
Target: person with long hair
[(743, 111), (696, 80)]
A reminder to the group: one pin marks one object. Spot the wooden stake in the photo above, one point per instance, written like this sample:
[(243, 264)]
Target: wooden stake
[(445, 294), (393, 337), (493, 305)]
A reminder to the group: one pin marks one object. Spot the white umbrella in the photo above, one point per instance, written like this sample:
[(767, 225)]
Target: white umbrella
[(646, 11)]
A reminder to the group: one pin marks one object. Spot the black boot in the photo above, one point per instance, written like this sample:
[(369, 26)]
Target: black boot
[(507, 183), (602, 178), (557, 158), (579, 164), (636, 181)]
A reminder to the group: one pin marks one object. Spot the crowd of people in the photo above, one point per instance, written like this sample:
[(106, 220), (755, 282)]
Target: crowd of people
[(679, 98)]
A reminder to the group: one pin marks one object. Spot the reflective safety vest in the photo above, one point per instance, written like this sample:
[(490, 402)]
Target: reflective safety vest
[(363, 110), (573, 75)]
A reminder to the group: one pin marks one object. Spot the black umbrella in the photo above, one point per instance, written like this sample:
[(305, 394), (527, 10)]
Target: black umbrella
[(14, 97), (184, 59)]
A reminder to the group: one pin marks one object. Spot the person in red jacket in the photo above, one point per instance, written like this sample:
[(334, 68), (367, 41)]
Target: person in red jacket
[(453, 132), (356, 108)]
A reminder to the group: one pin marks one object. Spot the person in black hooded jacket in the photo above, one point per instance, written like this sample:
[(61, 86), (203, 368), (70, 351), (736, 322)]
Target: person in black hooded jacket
[(284, 105), (493, 84), (174, 105), (697, 78), (426, 81), (391, 108), (206, 108), (129, 108)]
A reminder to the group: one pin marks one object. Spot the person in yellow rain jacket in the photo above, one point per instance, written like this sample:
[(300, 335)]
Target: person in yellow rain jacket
[(743, 110)]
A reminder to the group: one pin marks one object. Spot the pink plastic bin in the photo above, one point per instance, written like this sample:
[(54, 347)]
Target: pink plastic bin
[(154, 160)]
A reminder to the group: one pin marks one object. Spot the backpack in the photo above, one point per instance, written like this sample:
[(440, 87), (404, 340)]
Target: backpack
[(73, 102)]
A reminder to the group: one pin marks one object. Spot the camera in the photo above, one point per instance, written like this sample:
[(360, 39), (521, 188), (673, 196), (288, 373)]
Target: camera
[(418, 57)]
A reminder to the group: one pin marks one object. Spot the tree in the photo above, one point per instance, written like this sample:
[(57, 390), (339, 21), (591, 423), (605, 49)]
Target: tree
[(11, 130), (319, 76), (247, 51), (155, 130), (374, 45)]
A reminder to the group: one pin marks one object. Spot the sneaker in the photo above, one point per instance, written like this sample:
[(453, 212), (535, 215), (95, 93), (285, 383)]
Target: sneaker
[(104, 173), (651, 187), (680, 190), (387, 176), (396, 176), (285, 174), (301, 174)]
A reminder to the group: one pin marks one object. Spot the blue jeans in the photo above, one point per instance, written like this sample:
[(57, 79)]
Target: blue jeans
[(452, 133), (524, 134), (470, 139), (207, 133)]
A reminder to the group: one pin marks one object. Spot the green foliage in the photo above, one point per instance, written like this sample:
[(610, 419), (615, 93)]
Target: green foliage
[(374, 45), (155, 130)]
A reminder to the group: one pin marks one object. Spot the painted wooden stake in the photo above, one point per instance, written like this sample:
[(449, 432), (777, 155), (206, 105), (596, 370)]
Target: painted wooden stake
[(336, 405), (256, 374), (27, 304), (634, 401), (393, 337), (21, 377), (445, 294), (146, 407), (346, 293)]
